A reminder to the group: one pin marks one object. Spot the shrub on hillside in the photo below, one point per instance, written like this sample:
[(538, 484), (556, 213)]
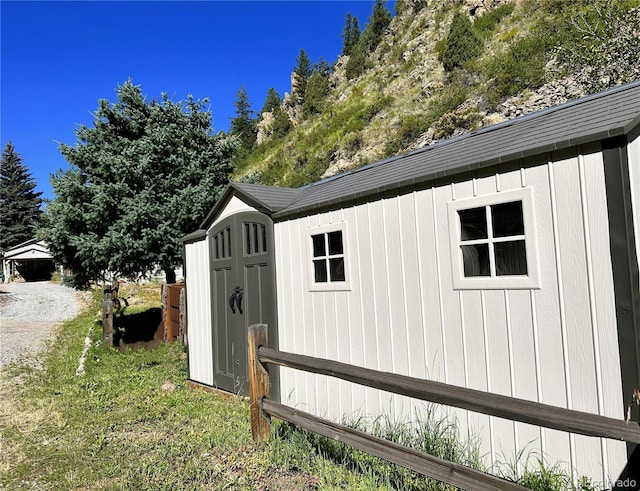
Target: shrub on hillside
[(315, 94), (463, 44), (485, 25), (520, 67), (601, 43), (281, 123), (356, 64)]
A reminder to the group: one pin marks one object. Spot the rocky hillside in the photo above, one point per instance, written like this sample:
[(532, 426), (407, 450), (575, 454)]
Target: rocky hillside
[(424, 81)]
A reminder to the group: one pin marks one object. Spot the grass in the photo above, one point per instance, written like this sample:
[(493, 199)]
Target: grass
[(131, 422)]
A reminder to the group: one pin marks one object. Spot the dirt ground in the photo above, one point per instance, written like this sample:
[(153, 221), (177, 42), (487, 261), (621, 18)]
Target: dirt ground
[(30, 314)]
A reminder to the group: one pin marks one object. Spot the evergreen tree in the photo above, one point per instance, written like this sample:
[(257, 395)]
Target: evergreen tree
[(322, 67), (281, 123), (244, 124), (378, 22), (463, 44), (272, 101), (140, 179), (356, 63), (317, 90), (350, 34), (303, 72), (19, 202)]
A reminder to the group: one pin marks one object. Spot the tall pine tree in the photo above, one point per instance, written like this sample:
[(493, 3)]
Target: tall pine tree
[(272, 101), (378, 22), (302, 72), (19, 202), (350, 34), (244, 124)]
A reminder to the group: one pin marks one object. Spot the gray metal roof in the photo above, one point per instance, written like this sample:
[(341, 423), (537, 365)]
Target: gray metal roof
[(267, 199), (270, 197), (611, 113)]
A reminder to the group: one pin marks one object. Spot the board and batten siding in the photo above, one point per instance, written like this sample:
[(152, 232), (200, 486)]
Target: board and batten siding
[(634, 178), (198, 284), (555, 344)]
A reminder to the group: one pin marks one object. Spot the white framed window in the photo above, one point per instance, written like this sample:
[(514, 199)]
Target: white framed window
[(493, 241), (328, 269)]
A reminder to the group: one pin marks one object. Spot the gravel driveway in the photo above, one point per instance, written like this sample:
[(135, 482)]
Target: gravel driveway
[(30, 313)]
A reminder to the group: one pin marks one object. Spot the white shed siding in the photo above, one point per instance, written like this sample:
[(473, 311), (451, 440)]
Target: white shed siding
[(199, 311), (556, 344), (634, 176)]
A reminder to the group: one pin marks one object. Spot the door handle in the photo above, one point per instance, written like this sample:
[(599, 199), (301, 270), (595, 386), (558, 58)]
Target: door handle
[(239, 300), (236, 298)]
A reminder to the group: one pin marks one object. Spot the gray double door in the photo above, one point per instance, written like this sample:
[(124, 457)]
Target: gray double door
[(243, 293)]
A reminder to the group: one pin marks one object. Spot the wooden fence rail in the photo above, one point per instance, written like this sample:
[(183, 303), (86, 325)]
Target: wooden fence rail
[(479, 401), (474, 400), (455, 474)]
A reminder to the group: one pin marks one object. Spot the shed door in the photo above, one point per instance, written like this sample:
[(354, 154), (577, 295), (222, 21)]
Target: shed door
[(243, 293)]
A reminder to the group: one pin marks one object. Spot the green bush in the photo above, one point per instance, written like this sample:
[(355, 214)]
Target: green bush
[(449, 99), (414, 125), (411, 128), (281, 123), (463, 44), (521, 67), (356, 64), (593, 35), (485, 25), (315, 94)]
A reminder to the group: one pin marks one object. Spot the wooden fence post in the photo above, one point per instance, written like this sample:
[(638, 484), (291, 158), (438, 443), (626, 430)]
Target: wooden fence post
[(258, 384), (107, 316)]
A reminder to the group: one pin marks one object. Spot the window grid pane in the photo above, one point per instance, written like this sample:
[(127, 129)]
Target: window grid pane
[(492, 241), (473, 223), (319, 248), (507, 219), (476, 260), (320, 270), (511, 258), (336, 269), (335, 243)]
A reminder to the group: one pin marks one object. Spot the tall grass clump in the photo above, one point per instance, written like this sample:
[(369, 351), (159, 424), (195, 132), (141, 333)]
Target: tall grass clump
[(533, 471), (432, 433)]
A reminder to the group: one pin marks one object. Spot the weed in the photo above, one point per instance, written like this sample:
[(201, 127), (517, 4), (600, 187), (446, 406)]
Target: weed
[(533, 471)]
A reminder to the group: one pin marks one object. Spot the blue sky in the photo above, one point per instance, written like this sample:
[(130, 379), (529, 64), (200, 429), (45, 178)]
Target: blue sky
[(57, 59)]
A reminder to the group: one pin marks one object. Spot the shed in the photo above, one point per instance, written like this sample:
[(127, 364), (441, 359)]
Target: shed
[(31, 259), (504, 260)]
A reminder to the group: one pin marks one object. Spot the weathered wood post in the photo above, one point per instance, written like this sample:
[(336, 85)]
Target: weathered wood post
[(258, 384), (107, 315), (183, 315), (164, 293)]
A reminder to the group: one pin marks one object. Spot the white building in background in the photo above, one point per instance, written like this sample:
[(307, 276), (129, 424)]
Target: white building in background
[(31, 260)]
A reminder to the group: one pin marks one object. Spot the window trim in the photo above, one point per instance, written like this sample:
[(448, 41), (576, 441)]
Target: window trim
[(528, 281), (328, 285)]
